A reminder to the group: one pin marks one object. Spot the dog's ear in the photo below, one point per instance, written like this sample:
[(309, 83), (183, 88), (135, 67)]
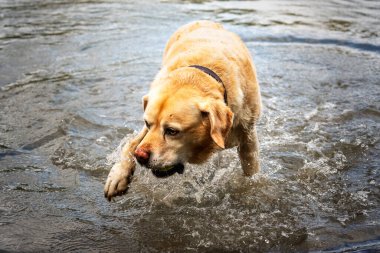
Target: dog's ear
[(221, 119), (145, 101)]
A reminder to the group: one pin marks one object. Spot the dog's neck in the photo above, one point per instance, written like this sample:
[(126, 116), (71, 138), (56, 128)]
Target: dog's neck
[(213, 75)]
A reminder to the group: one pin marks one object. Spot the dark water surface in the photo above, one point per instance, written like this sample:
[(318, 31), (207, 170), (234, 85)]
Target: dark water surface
[(72, 77)]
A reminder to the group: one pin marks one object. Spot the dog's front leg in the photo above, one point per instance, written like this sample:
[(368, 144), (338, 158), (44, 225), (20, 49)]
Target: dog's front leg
[(121, 172), (249, 151)]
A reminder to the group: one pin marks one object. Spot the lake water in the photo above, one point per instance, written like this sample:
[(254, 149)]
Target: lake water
[(72, 77)]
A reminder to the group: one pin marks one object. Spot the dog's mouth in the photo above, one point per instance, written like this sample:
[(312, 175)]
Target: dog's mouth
[(169, 170)]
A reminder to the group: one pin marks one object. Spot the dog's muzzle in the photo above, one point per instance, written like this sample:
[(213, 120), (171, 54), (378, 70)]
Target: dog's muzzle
[(178, 168)]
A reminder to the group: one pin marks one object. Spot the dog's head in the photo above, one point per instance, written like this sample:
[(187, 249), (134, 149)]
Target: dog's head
[(185, 123)]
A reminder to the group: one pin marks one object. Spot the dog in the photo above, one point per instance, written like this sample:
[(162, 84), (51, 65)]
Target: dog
[(205, 98)]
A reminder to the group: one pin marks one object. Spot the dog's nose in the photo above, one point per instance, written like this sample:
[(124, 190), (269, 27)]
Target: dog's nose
[(142, 156)]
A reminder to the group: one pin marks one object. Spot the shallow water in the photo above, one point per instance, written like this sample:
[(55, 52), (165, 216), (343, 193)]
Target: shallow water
[(72, 77)]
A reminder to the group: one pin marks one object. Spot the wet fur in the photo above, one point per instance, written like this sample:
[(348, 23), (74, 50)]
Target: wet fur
[(193, 101)]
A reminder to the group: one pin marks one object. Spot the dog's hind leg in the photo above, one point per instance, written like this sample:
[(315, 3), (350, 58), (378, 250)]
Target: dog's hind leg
[(248, 150), (121, 172)]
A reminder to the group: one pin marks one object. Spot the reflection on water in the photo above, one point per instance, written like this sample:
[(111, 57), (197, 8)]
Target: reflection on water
[(72, 77)]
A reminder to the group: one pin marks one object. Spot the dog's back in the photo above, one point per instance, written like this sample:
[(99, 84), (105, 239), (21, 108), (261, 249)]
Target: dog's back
[(208, 44)]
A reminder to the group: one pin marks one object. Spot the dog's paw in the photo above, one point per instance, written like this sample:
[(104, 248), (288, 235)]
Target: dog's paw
[(117, 181)]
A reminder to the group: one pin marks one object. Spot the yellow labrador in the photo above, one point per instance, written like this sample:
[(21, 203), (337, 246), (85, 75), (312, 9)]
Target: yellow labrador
[(205, 98)]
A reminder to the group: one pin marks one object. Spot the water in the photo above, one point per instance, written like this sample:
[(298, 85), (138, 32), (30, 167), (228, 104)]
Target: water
[(72, 77)]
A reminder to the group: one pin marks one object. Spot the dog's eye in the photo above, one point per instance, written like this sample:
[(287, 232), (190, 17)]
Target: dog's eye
[(171, 131), (147, 124)]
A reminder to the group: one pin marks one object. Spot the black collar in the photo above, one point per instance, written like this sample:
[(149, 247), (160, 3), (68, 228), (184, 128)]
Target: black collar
[(213, 75)]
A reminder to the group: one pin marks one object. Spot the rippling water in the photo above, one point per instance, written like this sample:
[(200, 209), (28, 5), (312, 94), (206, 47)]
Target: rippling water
[(72, 77)]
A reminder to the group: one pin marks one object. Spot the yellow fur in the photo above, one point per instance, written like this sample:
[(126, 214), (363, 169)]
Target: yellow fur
[(192, 102)]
